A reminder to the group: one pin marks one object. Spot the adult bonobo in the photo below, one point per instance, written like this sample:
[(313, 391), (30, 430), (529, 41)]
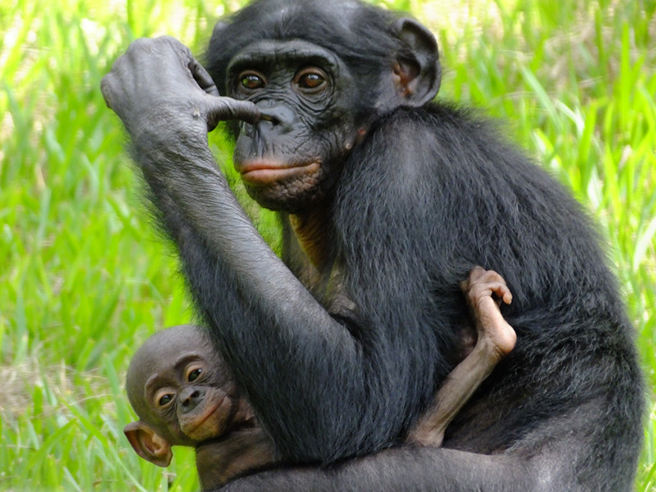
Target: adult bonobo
[(386, 200)]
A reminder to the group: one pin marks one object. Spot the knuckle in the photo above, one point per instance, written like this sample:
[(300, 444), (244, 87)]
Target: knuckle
[(105, 85), (477, 290), (494, 276), (475, 273), (174, 43), (139, 44), (136, 50), (167, 39)]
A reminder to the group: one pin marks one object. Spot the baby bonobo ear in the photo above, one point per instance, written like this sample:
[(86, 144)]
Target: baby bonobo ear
[(417, 73), (148, 444)]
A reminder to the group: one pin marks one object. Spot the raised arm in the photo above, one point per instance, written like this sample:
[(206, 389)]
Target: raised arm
[(294, 360)]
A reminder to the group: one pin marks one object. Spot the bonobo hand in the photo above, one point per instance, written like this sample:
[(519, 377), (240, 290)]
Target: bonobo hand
[(159, 90)]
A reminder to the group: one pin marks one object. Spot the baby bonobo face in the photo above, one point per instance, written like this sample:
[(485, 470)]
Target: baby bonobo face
[(190, 398), (182, 392)]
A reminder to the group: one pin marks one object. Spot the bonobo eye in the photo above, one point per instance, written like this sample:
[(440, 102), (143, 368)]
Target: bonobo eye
[(312, 78), (252, 80), (165, 400), (193, 375)]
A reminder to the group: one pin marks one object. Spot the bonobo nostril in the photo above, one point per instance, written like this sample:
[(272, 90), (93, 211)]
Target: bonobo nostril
[(190, 398), (276, 115), (194, 395), (266, 117)]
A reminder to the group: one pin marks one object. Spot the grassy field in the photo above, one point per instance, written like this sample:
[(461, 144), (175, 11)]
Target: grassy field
[(84, 279)]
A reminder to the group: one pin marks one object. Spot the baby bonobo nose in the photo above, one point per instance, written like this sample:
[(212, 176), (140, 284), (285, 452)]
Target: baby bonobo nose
[(191, 398)]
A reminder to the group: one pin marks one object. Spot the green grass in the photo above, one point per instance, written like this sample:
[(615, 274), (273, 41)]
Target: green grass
[(84, 279)]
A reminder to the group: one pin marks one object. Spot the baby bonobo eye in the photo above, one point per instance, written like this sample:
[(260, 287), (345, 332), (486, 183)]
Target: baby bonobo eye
[(193, 375), (193, 371), (165, 400)]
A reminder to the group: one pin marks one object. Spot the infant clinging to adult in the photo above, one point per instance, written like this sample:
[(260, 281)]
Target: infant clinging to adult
[(184, 394)]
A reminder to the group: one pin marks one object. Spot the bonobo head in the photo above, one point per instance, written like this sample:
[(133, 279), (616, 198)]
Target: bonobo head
[(320, 73), (182, 392)]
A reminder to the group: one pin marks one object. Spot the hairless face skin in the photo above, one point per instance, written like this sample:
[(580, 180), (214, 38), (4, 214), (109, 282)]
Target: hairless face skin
[(183, 394)]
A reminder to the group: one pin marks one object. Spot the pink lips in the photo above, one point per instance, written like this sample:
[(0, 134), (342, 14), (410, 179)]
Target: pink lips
[(264, 172)]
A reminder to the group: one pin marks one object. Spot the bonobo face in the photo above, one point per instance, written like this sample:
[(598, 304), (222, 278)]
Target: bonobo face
[(294, 154), (177, 385)]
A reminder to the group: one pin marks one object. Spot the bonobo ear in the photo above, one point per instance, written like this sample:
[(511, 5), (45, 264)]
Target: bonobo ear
[(418, 73), (148, 444)]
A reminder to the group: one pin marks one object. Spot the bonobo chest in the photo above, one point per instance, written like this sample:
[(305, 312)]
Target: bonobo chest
[(318, 266)]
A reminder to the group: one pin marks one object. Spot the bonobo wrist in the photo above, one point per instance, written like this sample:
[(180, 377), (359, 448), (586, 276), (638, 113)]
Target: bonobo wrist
[(174, 151), (169, 125)]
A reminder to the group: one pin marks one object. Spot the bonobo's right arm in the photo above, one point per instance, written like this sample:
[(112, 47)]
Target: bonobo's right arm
[(260, 314)]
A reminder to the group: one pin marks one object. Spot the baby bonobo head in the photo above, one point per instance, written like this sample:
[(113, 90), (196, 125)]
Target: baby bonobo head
[(183, 394)]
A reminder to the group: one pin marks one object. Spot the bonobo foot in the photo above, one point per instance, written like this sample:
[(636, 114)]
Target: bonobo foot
[(495, 339), (485, 290)]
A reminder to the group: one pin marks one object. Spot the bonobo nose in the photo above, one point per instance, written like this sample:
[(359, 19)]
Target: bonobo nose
[(190, 398), (278, 115)]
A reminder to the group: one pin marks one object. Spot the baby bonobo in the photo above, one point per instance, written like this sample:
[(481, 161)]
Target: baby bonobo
[(184, 394)]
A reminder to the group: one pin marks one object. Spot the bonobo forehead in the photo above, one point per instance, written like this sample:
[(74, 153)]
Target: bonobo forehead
[(275, 52), (356, 32), (303, 15), (300, 15)]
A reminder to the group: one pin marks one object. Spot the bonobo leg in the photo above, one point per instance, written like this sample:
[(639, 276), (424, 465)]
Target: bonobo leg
[(407, 469), (495, 339)]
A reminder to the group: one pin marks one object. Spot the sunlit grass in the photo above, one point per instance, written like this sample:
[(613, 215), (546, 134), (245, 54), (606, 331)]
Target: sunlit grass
[(83, 279)]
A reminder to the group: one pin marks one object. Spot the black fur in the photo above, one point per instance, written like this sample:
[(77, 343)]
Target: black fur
[(428, 194)]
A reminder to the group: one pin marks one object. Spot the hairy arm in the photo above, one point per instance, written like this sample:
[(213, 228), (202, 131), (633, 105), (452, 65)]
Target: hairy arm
[(302, 370)]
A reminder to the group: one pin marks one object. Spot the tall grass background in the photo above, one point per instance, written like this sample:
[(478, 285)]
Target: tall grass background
[(84, 279)]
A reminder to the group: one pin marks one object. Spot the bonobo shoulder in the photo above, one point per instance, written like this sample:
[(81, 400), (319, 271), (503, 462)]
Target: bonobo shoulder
[(439, 114), (440, 126), (434, 148), (412, 127)]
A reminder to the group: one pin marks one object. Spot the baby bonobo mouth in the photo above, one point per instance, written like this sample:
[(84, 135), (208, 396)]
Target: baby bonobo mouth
[(236, 429)]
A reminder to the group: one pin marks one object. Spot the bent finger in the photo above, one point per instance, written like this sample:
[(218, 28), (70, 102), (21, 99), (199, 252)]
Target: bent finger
[(498, 290), (202, 78), (226, 108)]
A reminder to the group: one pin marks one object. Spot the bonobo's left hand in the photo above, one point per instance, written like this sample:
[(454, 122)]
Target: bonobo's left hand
[(160, 91)]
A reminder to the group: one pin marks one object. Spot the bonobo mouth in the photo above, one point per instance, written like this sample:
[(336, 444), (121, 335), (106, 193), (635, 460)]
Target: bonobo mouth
[(223, 404), (265, 172)]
